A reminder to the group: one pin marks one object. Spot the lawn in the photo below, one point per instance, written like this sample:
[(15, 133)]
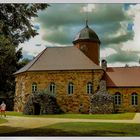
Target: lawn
[(13, 113), (2, 120), (98, 129), (82, 129), (119, 116)]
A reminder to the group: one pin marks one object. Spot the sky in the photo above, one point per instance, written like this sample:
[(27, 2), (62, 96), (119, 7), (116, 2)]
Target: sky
[(117, 26)]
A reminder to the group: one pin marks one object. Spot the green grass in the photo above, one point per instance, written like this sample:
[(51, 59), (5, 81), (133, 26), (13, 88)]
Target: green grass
[(12, 113), (2, 120), (99, 129), (82, 129), (119, 116), (127, 116)]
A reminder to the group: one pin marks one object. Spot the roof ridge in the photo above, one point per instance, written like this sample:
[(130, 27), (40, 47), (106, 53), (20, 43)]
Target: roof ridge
[(39, 55), (126, 67)]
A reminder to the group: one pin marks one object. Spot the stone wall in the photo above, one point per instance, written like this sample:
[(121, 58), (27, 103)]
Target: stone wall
[(68, 103), (126, 105)]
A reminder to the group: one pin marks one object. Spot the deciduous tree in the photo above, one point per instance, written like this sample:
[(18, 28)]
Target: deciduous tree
[(15, 28)]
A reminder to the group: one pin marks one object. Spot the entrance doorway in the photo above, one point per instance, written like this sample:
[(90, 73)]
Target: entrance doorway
[(36, 109)]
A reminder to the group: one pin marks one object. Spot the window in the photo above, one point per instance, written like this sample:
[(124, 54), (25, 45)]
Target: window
[(134, 99), (70, 88), (89, 87), (52, 88), (117, 98), (34, 87)]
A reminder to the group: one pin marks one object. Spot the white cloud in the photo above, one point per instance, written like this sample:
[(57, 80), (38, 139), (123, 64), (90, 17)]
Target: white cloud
[(88, 8), (34, 46), (106, 52), (134, 45)]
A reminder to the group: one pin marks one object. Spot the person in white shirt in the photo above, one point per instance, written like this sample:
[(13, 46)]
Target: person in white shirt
[(3, 109)]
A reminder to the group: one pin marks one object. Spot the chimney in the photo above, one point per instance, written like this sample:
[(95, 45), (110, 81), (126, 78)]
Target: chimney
[(104, 64)]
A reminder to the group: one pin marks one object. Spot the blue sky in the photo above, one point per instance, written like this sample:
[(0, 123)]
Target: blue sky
[(117, 26)]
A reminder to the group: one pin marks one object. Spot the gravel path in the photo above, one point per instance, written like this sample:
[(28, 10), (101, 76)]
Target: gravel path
[(22, 123)]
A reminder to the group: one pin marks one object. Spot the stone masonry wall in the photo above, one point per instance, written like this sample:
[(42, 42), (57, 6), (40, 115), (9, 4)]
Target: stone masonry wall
[(126, 105), (68, 103)]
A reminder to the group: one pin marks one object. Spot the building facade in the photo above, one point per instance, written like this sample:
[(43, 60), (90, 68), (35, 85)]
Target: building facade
[(73, 73)]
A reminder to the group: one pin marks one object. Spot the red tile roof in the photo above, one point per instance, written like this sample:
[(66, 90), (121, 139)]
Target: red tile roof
[(123, 77), (60, 58)]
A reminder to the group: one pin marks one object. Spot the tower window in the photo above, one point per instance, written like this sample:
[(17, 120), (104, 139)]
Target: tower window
[(134, 99), (117, 98), (89, 87), (34, 87), (52, 88), (70, 88)]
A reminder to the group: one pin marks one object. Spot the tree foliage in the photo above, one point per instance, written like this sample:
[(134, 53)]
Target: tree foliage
[(15, 21), (15, 28), (8, 62), (23, 62)]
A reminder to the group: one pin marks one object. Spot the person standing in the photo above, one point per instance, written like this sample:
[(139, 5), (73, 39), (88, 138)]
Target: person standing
[(3, 109)]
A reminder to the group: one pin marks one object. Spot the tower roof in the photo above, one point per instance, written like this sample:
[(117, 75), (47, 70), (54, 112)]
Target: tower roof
[(86, 34)]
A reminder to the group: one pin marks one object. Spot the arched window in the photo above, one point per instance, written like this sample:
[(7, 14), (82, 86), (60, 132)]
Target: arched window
[(52, 88), (89, 87), (34, 87), (70, 88), (134, 99), (117, 98)]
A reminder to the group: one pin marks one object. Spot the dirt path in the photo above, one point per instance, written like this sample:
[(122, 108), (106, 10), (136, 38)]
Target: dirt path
[(22, 123)]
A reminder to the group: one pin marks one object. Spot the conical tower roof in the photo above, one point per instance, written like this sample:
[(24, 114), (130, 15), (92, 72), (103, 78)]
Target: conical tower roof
[(86, 34)]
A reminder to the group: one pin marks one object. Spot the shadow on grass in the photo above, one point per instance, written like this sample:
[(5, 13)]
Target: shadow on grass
[(58, 132)]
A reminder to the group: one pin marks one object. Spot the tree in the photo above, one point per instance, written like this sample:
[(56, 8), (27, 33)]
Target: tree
[(8, 62), (23, 62), (15, 21), (15, 28)]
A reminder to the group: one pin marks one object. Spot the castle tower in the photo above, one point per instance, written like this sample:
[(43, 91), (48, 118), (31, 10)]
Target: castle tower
[(88, 42)]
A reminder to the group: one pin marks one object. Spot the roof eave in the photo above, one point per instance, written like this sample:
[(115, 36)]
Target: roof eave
[(86, 39), (16, 73)]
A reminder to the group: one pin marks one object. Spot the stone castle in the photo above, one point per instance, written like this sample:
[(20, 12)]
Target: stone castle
[(74, 73)]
